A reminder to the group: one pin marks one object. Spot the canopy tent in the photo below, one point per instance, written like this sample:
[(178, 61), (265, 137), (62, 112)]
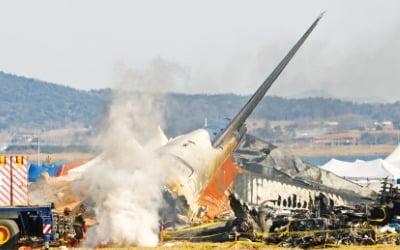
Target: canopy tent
[(362, 169), (365, 173), (394, 157)]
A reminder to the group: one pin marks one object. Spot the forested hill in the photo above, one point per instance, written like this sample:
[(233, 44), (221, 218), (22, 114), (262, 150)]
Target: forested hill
[(32, 104), (186, 110)]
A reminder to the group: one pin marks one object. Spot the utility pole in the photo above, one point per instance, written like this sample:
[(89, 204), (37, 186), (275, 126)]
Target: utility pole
[(38, 150)]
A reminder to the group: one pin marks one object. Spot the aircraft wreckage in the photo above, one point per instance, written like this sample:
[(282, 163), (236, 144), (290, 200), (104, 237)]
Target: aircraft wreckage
[(287, 194), (256, 171), (219, 169), (319, 224)]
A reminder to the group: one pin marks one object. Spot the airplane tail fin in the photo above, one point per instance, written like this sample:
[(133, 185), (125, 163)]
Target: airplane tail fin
[(245, 112)]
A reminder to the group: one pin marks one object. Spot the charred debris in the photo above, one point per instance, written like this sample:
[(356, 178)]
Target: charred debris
[(275, 198), (315, 214), (321, 224)]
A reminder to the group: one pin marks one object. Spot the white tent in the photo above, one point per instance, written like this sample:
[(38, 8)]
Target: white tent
[(369, 173), (362, 169), (394, 157)]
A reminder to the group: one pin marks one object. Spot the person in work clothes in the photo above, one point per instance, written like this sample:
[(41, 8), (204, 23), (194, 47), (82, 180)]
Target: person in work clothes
[(79, 226), (64, 226)]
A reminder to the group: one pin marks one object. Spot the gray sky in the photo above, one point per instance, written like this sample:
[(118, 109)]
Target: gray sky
[(206, 46)]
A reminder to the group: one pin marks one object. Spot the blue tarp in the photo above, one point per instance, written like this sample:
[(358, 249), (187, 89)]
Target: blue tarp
[(36, 170)]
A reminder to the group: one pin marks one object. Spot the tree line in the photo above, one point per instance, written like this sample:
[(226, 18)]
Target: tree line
[(32, 104)]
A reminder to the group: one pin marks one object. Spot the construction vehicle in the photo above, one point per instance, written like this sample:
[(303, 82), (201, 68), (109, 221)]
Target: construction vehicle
[(33, 226), (26, 225), (22, 223)]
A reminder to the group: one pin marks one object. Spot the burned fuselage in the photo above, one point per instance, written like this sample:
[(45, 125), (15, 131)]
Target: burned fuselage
[(202, 170)]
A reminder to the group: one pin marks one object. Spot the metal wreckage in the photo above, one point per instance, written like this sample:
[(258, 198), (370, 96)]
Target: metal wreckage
[(304, 209), (255, 191)]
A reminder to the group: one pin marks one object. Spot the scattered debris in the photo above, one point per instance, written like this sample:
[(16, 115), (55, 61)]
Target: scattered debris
[(322, 224)]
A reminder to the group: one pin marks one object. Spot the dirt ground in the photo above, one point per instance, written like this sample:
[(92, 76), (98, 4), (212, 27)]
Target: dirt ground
[(246, 245), (230, 246)]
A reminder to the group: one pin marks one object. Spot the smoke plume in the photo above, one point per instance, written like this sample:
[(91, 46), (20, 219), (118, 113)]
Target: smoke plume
[(126, 186)]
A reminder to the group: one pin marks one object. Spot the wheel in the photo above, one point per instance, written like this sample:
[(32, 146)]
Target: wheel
[(9, 234)]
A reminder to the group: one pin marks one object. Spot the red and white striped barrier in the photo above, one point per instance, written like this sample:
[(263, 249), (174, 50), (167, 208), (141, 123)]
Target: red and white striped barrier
[(19, 177), (5, 181), (46, 228)]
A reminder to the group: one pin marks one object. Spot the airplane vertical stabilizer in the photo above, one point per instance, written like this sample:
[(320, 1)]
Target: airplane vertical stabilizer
[(241, 117)]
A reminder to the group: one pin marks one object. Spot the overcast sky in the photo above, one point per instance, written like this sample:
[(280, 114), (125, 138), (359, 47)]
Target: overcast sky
[(206, 46)]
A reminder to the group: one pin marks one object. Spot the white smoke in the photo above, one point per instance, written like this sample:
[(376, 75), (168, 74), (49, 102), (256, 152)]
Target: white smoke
[(126, 186)]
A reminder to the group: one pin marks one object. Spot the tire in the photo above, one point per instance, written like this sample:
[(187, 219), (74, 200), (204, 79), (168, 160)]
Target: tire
[(9, 234)]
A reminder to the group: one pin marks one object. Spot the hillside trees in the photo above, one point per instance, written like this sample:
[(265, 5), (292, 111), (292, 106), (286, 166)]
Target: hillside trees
[(33, 104)]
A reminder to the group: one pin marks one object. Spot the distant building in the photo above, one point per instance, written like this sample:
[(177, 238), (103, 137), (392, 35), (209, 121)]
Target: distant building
[(338, 139), (385, 125)]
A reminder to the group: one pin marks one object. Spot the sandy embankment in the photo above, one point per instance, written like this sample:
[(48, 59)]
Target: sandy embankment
[(343, 150), (61, 157)]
